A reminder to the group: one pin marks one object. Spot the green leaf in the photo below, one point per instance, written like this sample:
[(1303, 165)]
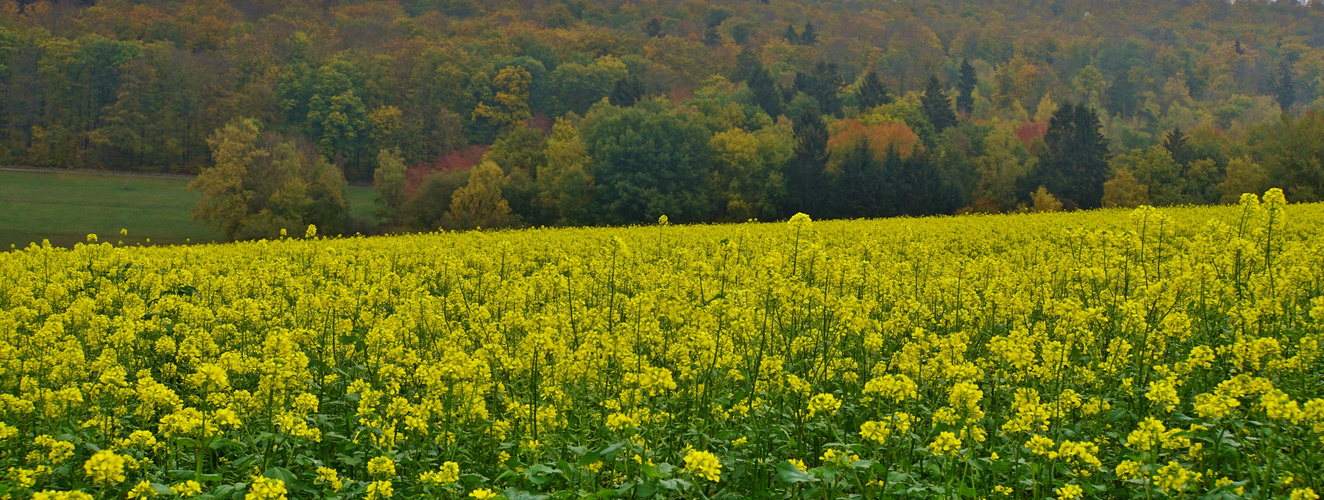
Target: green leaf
[(283, 474), (162, 489), (788, 472)]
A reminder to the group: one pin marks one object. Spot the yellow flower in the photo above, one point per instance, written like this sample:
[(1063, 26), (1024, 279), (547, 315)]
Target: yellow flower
[(265, 488), (329, 477), (1069, 492), (875, 431), (1304, 494), (61, 495), (447, 474), (945, 445), (378, 490), (187, 489), (482, 494), (105, 467), (799, 464), (1003, 490), (824, 403), (381, 467), (703, 464), (142, 490)]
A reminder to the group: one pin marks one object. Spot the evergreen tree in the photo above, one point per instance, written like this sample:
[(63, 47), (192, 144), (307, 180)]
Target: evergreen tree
[(766, 93), (1237, 47), (653, 28), (965, 87), (711, 37), (1175, 143), (824, 85), (1074, 164), (1120, 98), (747, 63), (626, 91), (873, 92), (936, 106), (808, 36), (806, 173), (790, 35), (857, 189), (1286, 88)]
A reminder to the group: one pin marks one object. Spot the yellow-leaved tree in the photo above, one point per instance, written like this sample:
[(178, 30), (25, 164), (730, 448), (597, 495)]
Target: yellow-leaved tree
[(224, 200), (511, 104), (479, 203)]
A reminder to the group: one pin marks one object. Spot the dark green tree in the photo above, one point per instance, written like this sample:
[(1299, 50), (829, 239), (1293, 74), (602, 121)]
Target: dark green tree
[(626, 91), (873, 92), (857, 188), (1074, 164), (790, 35), (1175, 142), (766, 93), (653, 27), (648, 162), (965, 88), (806, 172), (808, 36), (824, 85), (937, 107), (1286, 91)]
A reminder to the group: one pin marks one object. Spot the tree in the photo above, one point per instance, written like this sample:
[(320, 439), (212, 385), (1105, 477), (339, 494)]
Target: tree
[(648, 161), (711, 37), (858, 187), (1175, 143), (766, 94), (479, 203), (1125, 191), (1292, 151), (746, 178), (565, 185), (1286, 91), (653, 27), (425, 209), (388, 181), (806, 172), (747, 64), (808, 36), (510, 106), (965, 88), (1243, 176), (1074, 162), (627, 91), (338, 117), (260, 185), (1044, 201), (824, 85), (1002, 166), (790, 35), (937, 107), (873, 92), (224, 200)]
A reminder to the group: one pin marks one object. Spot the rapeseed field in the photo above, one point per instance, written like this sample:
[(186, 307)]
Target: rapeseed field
[(1154, 353)]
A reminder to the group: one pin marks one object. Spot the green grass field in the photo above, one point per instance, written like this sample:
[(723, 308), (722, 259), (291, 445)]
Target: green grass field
[(65, 207)]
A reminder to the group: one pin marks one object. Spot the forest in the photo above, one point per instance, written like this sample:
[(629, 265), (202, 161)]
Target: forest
[(466, 114)]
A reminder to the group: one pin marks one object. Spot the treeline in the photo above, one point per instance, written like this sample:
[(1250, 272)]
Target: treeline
[(595, 112)]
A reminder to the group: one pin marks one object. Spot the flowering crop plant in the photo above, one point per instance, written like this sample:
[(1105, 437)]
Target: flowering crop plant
[(1154, 353)]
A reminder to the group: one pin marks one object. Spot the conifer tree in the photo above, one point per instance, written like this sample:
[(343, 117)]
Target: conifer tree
[(873, 92), (936, 106), (806, 173), (965, 87)]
